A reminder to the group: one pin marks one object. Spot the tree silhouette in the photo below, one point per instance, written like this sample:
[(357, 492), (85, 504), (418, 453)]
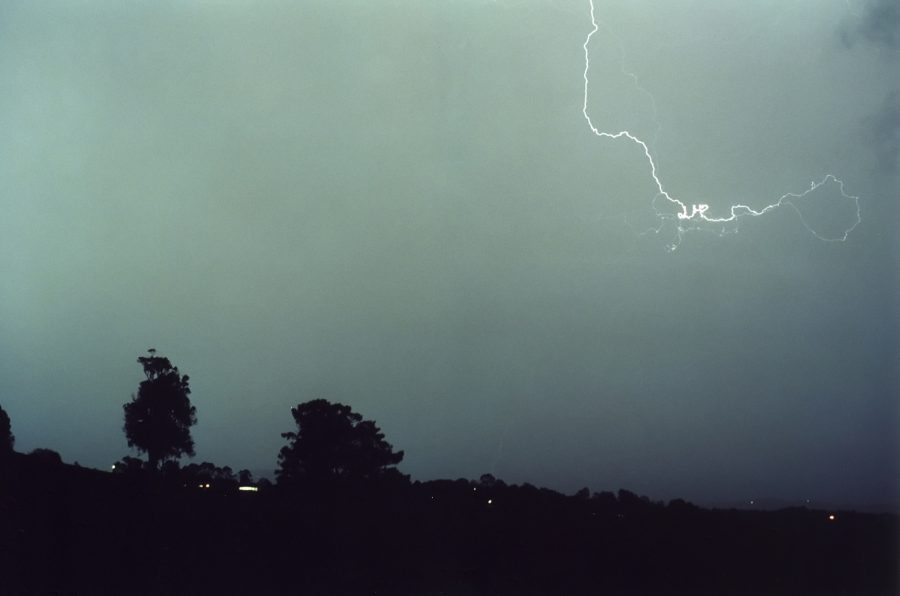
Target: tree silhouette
[(128, 465), (207, 472), (46, 457), (158, 419), (7, 439), (333, 442)]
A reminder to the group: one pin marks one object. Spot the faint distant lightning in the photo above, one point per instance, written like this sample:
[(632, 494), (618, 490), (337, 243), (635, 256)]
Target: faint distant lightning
[(634, 79), (688, 218)]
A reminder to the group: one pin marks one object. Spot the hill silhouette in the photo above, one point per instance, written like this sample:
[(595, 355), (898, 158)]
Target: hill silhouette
[(343, 520), (73, 530)]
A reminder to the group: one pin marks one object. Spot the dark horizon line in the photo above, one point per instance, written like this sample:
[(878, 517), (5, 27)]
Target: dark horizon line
[(755, 504)]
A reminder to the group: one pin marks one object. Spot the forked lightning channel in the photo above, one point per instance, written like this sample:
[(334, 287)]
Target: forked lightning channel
[(691, 216)]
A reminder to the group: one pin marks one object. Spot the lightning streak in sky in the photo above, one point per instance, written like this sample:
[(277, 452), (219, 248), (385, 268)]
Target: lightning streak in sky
[(687, 218)]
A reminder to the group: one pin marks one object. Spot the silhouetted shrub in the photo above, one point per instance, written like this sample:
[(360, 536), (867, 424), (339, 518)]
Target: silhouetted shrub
[(128, 465), (45, 457)]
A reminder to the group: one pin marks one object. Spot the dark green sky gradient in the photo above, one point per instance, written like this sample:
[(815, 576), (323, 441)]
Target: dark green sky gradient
[(399, 206)]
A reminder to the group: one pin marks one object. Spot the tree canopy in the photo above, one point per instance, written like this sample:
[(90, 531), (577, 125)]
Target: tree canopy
[(158, 419), (7, 439), (333, 442)]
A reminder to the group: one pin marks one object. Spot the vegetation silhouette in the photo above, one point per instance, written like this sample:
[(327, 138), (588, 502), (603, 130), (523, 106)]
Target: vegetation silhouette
[(129, 465), (45, 457), (159, 418), (342, 520), (333, 444), (7, 439)]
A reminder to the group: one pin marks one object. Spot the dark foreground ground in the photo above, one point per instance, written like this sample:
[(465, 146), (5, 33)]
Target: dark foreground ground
[(66, 530)]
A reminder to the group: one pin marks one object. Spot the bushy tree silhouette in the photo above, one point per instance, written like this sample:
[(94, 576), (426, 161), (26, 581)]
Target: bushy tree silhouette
[(7, 439), (128, 465), (45, 457), (333, 442), (158, 419), (207, 472)]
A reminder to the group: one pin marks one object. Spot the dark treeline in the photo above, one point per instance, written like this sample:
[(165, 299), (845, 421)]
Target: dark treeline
[(340, 519)]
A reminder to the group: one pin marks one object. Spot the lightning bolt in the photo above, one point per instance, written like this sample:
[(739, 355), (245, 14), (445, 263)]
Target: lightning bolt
[(696, 215)]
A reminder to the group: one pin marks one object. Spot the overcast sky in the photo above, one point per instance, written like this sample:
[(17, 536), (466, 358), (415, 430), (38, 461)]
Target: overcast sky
[(400, 206)]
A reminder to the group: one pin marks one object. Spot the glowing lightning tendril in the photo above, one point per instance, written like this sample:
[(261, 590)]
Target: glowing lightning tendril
[(697, 213)]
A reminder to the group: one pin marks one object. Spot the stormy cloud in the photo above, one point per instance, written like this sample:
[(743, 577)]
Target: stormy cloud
[(878, 23), (884, 127)]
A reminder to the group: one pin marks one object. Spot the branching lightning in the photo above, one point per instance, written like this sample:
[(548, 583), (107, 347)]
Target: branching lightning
[(697, 215)]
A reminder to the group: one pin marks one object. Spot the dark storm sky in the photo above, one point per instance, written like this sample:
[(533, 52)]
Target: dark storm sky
[(400, 206)]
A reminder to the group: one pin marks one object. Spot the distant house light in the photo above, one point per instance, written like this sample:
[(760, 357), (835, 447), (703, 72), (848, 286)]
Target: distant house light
[(251, 489), (831, 517)]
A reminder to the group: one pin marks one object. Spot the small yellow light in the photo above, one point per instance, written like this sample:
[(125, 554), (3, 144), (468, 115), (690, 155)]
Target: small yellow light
[(490, 501), (831, 517), (207, 485)]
